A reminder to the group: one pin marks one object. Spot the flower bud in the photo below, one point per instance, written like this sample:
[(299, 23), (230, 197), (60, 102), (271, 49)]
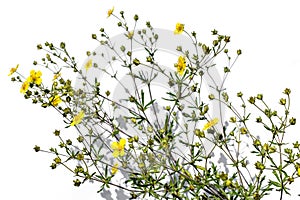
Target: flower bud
[(94, 36)]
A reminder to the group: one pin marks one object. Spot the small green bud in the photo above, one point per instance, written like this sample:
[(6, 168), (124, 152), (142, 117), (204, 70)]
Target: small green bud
[(136, 138), (80, 156), (239, 94), (259, 96), (193, 88), (282, 101), (136, 17), (36, 148), (225, 50), (131, 99), (133, 120), (214, 32), (199, 133), (215, 42), (94, 36), (148, 24), (101, 30), (168, 108), (122, 48), (62, 145), (53, 166), (77, 182), (130, 140), (211, 96), (252, 100), (256, 142), (150, 129), (56, 132), (287, 91), (62, 45), (149, 59), (150, 142), (225, 96), (80, 139), (258, 120), (296, 144), (226, 70), (69, 142), (39, 46), (119, 23), (227, 39), (136, 62), (259, 165), (201, 73), (292, 121), (239, 52), (205, 49), (180, 107), (57, 160), (232, 119), (243, 130)]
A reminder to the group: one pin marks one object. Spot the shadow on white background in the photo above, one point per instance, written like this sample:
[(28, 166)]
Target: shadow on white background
[(266, 31)]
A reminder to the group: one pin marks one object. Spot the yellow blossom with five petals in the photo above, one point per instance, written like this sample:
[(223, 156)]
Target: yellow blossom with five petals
[(24, 87), (88, 64), (110, 12), (210, 124), (77, 119), (56, 76), (118, 148), (180, 65), (114, 169), (55, 100), (35, 77), (13, 70), (179, 28)]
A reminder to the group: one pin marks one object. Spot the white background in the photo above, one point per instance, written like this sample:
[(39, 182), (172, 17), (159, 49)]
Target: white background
[(267, 32)]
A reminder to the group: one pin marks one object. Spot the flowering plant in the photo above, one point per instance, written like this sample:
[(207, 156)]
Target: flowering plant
[(165, 145)]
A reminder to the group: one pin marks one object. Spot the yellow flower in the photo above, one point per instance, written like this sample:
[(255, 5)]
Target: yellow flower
[(298, 171), (55, 100), (114, 169), (210, 124), (35, 77), (118, 148), (13, 70), (228, 182), (88, 64), (179, 28), (56, 76), (180, 65), (130, 35), (77, 119), (110, 12), (24, 87)]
